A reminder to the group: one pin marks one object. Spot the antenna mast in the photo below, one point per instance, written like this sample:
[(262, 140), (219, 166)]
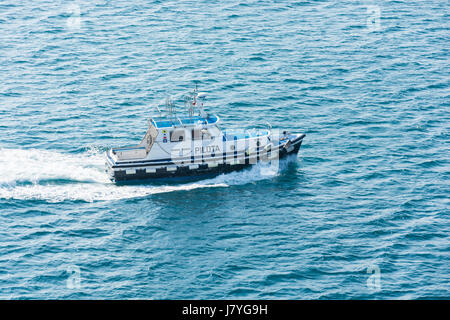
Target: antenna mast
[(170, 108)]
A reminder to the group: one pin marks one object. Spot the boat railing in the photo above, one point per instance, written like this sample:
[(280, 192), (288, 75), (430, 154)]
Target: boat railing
[(164, 122)]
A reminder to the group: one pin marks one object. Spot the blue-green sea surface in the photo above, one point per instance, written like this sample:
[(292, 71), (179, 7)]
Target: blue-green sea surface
[(361, 213)]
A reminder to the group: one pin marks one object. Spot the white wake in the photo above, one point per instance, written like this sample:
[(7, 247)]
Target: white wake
[(51, 176)]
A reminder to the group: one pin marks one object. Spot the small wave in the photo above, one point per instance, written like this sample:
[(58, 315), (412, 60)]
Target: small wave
[(258, 172)]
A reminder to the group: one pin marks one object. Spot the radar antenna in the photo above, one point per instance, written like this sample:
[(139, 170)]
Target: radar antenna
[(194, 102)]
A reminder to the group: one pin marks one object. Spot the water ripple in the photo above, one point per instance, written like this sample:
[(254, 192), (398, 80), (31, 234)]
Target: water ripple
[(369, 189)]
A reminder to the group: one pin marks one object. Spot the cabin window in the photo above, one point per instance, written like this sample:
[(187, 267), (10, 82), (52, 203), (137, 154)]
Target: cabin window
[(177, 135), (201, 134)]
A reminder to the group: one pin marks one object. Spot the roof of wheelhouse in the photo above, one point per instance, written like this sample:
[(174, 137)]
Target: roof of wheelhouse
[(164, 122)]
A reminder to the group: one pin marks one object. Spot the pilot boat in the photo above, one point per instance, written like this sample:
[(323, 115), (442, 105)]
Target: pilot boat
[(193, 145)]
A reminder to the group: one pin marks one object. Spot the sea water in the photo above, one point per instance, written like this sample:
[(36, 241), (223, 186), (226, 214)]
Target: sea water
[(361, 213)]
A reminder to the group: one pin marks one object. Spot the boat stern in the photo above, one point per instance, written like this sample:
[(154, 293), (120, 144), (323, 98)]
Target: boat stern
[(109, 164)]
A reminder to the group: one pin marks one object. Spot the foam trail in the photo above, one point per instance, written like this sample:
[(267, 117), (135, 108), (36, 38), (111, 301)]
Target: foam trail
[(258, 172), (255, 173), (55, 177), (91, 192), (34, 166)]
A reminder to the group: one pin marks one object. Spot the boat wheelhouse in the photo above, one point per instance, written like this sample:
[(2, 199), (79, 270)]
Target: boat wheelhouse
[(194, 145)]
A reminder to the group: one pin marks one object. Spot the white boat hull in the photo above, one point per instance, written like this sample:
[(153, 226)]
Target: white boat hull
[(135, 169)]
